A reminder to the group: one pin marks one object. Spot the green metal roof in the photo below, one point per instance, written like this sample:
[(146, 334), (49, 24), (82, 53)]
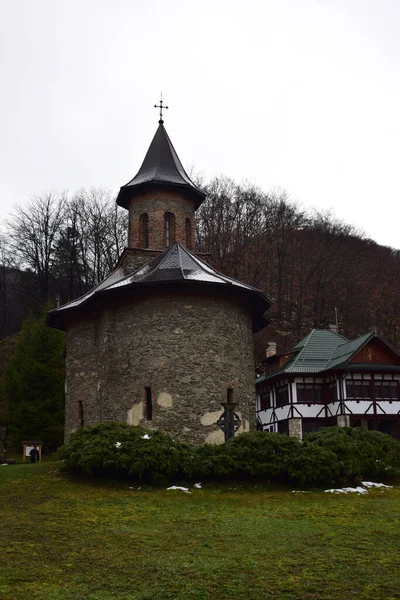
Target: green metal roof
[(346, 351), (321, 350), (315, 351)]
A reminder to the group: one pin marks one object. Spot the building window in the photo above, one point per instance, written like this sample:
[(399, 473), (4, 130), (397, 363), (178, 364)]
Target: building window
[(312, 425), (188, 228), (80, 414), (387, 390), (283, 427), (144, 231), (169, 223), (358, 390), (332, 389), (309, 393), (265, 400), (149, 404), (129, 230), (282, 396)]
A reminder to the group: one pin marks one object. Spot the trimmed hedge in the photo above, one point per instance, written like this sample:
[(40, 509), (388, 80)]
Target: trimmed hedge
[(114, 448), (359, 452), (332, 455)]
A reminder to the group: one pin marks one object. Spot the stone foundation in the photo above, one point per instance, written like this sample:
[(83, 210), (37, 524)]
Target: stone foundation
[(295, 428), (343, 421)]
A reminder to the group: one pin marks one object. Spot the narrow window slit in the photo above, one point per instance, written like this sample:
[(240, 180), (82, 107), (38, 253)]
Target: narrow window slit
[(80, 413), (149, 405), (188, 227), (169, 229), (144, 231)]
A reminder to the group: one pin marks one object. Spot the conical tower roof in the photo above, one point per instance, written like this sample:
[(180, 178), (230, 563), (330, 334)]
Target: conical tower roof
[(161, 167), (175, 266)]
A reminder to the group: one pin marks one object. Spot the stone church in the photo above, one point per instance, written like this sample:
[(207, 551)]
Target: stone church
[(165, 341)]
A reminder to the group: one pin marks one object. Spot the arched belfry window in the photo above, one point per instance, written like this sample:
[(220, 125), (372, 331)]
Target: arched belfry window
[(144, 231), (188, 228), (169, 224)]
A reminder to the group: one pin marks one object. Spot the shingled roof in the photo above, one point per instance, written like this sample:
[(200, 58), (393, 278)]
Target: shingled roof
[(321, 350), (346, 351), (161, 166), (176, 265)]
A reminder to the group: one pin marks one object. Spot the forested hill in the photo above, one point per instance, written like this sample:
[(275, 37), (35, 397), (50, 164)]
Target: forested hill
[(308, 263)]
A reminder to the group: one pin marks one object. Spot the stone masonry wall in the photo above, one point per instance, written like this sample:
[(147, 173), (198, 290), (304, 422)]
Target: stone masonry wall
[(188, 349), (156, 204), (134, 258), (81, 375)]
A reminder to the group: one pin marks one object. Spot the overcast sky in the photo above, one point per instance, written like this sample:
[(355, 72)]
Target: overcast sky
[(296, 94)]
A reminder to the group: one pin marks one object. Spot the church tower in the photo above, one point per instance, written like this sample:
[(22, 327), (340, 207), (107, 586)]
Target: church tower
[(161, 200), (165, 341)]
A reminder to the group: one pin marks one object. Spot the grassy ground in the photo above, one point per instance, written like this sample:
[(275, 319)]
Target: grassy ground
[(16, 455), (64, 540)]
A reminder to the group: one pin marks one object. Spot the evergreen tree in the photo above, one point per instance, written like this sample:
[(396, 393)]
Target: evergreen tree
[(34, 384)]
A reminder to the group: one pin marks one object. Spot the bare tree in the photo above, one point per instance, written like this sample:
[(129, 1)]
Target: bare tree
[(92, 238), (3, 283), (33, 233), (70, 243), (103, 235)]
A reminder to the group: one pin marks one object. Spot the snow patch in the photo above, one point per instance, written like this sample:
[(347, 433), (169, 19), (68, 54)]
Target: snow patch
[(198, 486), (348, 490), (371, 484), (358, 490), (177, 487), (146, 436)]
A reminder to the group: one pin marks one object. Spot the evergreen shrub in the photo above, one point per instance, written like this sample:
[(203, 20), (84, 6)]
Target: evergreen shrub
[(359, 452), (262, 455), (118, 449), (332, 455), (314, 465)]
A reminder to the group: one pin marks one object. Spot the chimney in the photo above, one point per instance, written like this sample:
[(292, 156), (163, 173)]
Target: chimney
[(271, 349)]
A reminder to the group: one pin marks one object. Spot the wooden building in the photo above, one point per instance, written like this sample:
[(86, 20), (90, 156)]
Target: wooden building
[(328, 380)]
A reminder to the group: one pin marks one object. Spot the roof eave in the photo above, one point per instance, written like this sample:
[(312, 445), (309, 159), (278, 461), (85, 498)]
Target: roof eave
[(56, 317), (128, 191)]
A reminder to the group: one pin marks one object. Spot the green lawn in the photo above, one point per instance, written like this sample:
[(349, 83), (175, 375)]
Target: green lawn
[(64, 540), (17, 456)]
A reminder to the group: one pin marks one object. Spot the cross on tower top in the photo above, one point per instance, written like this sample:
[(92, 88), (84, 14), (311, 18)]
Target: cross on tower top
[(161, 107)]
